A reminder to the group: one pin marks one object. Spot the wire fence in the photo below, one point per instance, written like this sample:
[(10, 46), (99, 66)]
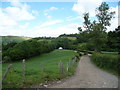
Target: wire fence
[(61, 69)]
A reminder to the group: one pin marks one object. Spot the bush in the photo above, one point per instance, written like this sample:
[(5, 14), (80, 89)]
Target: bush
[(6, 59), (106, 61), (85, 52), (27, 49)]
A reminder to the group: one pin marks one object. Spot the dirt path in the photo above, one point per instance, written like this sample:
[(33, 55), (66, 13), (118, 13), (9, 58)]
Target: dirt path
[(88, 76)]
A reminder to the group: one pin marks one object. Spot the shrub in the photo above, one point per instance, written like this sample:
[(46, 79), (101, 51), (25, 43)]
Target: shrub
[(6, 59), (27, 49)]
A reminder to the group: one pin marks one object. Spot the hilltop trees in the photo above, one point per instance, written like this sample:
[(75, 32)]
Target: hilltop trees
[(95, 32)]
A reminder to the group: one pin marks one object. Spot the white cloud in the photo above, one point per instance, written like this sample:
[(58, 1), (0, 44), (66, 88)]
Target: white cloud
[(11, 31), (12, 14), (49, 17), (71, 18), (54, 32), (35, 12), (16, 3), (68, 29), (114, 21), (49, 23), (24, 26), (83, 6), (18, 13), (46, 12), (53, 8), (6, 20), (10, 17)]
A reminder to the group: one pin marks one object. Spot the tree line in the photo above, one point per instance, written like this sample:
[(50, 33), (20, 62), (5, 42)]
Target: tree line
[(17, 51), (25, 50)]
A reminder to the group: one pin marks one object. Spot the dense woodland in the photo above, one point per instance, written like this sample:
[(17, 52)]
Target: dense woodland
[(93, 38)]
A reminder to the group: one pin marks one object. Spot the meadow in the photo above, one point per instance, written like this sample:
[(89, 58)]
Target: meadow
[(34, 74)]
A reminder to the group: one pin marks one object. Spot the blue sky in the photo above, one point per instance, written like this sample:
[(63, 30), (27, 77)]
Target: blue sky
[(36, 19)]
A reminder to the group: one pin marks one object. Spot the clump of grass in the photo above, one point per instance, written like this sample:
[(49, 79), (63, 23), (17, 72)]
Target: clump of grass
[(107, 61)]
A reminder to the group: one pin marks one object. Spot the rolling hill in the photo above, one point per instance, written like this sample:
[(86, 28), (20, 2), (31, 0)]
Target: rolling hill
[(8, 39)]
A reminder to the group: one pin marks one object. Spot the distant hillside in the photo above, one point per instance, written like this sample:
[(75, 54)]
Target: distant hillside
[(8, 39), (44, 38), (69, 36)]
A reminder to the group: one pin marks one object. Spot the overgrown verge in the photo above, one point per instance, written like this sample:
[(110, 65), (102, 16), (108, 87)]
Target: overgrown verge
[(107, 61)]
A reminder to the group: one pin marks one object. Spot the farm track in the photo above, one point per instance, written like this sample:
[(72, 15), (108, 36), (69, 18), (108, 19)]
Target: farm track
[(88, 76)]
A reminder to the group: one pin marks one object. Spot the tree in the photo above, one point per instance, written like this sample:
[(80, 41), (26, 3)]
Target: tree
[(95, 31), (97, 36), (113, 42), (104, 15), (87, 23)]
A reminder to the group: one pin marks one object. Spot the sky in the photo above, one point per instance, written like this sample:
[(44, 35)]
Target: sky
[(50, 19)]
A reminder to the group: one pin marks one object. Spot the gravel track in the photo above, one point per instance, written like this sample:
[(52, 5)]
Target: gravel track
[(88, 76)]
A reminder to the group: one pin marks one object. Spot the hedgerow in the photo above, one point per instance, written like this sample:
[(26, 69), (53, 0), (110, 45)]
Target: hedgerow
[(107, 61)]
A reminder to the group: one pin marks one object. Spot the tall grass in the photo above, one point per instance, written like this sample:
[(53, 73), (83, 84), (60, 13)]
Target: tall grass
[(107, 61)]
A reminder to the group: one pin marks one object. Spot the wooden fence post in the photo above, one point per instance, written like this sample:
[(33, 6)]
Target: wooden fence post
[(61, 67), (8, 69), (67, 66), (42, 67), (70, 63), (75, 59), (23, 72)]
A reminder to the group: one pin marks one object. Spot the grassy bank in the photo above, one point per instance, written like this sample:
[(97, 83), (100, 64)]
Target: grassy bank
[(34, 74), (107, 61)]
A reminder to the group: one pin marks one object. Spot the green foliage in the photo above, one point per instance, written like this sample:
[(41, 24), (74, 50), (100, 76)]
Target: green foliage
[(113, 43), (63, 42), (27, 49), (107, 61), (104, 15), (87, 21), (6, 59), (81, 47), (68, 35), (95, 35), (34, 74), (9, 45), (83, 37)]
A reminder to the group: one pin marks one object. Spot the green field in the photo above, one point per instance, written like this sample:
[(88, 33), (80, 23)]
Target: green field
[(112, 53), (17, 39), (71, 38), (34, 74)]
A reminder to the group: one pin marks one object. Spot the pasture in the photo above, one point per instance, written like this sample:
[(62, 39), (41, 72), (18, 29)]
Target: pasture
[(34, 74)]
